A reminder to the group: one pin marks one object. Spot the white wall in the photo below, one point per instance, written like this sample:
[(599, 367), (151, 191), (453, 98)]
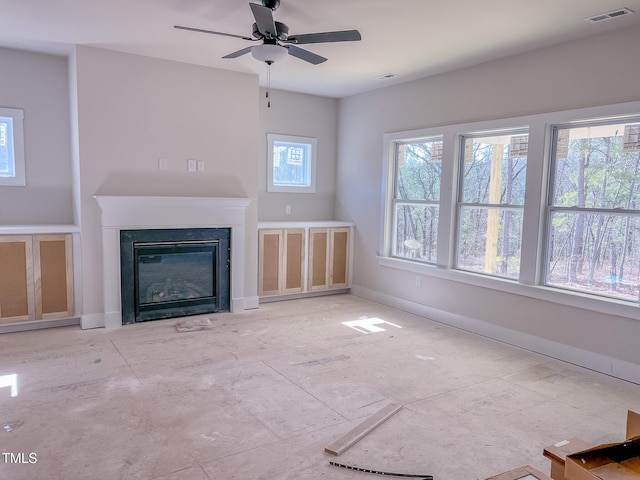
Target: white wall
[(591, 72), (307, 116), (133, 110), (38, 83)]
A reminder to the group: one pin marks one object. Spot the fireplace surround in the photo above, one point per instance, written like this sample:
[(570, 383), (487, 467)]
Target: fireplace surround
[(168, 273), (119, 212)]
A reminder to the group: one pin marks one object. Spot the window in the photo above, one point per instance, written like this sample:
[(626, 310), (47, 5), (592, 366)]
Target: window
[(490, 215), (12, 171), (593, 243), (291, 164), (546, 206), (418, 168)]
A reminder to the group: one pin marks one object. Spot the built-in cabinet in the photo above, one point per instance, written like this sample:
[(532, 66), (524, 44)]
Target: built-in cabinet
[(298, 258), (36, 278), (329, 258), (281, 268)]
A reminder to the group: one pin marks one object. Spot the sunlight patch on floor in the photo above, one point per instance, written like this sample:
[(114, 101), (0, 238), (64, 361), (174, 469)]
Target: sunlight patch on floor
[(10, 381), (369, 325)]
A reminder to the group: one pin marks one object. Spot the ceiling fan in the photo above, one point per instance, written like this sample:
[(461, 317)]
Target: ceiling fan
[(276, 42)]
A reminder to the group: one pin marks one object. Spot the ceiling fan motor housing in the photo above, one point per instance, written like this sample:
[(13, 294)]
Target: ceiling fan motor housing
[(282, 31), (272, 4)]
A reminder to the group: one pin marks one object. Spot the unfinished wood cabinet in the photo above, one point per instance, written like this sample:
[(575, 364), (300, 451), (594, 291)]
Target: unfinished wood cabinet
[(281, 267), (36, 279), (303, 258), (329, 258), (53, 276), (16, 279)]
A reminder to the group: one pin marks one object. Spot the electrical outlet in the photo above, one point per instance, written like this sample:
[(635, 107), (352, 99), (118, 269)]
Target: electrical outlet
[(163, 163), (191, 165), (200, 165), (287, 210), (418, 281)]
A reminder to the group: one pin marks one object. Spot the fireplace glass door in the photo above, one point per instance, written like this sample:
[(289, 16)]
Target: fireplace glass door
[(174, 278)]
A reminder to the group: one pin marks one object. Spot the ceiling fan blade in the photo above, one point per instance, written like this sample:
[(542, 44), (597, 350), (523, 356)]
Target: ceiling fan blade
[(238, 53), (325, 37), (180, 27), (264, 20), (305, 55)]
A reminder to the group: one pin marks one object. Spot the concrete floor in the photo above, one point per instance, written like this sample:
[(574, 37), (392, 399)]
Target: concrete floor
[(260, 394)]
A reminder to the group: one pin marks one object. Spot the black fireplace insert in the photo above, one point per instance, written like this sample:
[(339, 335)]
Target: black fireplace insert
[(174, 272)]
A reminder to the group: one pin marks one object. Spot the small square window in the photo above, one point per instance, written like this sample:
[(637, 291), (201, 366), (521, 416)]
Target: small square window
[(291, 164), (11, 147)]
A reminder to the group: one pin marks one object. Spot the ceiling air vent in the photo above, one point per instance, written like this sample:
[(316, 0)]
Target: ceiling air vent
[(385, 76), (620, 12)]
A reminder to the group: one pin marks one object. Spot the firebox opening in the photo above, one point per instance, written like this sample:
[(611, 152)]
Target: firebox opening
[(174, 273)]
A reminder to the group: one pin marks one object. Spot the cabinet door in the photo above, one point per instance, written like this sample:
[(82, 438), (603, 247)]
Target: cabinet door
[(293, 267), (339, 257), (53, 272), (16, 279), (270, 253), (318, 258)]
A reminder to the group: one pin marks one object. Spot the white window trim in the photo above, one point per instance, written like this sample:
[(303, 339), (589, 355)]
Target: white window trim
[(393, 201), (19, 179), (533, 241), (460, 203), (311, 188)]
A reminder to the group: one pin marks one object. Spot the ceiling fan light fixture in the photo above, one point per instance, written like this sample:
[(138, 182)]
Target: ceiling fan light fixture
[(269, 53)]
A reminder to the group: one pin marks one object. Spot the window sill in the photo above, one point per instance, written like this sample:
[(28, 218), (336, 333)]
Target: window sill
[(607, 306)]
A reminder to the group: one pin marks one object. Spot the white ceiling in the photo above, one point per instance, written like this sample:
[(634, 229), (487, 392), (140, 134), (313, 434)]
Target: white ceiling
[(411, 38)]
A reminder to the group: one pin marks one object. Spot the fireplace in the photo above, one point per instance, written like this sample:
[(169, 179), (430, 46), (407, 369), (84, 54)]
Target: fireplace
[(121, 212), (174, 272)]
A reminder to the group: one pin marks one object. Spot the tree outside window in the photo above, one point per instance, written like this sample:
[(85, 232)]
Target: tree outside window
[(416, 201), (490, 215), (594, 210)]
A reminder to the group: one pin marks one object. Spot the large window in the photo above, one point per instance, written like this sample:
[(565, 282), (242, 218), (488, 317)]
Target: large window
[(291, 164), (418, 168), (11, 147), (545, 205), (491, 201), (594, 210)]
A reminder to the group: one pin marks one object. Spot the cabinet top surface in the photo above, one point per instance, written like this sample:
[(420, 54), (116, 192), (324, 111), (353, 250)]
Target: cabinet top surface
[(312, 224), (37, 229)]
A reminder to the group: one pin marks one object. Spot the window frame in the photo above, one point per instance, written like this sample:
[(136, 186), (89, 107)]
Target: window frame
[(19, 178), (461, 204), (551, 208), (395, 201), (535, 227), (312, 143)]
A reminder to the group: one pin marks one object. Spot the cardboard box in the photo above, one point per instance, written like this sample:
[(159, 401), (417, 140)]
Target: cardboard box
[(522, 473), (558, 452), (614, 461)]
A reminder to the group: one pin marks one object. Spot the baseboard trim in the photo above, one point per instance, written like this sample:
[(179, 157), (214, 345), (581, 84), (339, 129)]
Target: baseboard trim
[(593, 361), (294, 296), (92, 320), (38, 324), (247, 303)]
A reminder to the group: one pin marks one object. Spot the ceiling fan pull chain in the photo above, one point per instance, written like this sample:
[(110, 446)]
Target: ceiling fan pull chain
[(268, 84)]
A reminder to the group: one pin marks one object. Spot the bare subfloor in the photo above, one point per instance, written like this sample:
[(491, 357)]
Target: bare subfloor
[(261, 393)]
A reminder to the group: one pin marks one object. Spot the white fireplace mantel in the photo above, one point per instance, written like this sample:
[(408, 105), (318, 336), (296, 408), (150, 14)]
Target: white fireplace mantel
[(136, 212)]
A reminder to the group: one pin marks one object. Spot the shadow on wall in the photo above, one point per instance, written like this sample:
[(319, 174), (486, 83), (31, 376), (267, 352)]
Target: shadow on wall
[(172, 184)]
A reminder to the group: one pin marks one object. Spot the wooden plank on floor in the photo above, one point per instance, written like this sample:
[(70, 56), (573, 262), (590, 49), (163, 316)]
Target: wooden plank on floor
[(359, 432)]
